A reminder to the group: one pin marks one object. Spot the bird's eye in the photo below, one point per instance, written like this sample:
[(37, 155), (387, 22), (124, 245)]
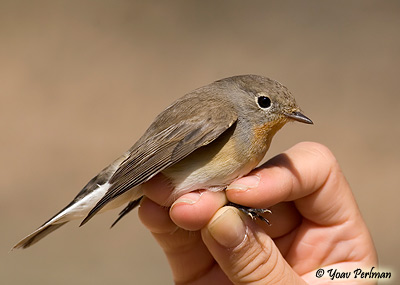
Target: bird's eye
[(264, 101)]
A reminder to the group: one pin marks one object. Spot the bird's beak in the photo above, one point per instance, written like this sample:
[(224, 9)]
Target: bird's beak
[(298, 116)]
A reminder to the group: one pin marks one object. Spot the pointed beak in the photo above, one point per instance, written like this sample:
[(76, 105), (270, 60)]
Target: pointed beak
[(297, 116)]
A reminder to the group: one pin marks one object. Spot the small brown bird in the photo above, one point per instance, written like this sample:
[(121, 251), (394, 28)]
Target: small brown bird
[(205, 140)]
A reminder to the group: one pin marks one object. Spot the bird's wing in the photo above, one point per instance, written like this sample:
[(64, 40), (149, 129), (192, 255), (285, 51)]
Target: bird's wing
[(176, 132)]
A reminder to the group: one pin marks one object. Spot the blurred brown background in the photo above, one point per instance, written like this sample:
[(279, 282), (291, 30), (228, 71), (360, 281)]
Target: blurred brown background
[(80, 81)]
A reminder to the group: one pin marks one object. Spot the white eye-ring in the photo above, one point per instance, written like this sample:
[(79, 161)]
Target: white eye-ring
[(264, 102)]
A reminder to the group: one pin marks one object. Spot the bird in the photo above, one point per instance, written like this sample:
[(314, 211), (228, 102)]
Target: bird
[(204, 140)]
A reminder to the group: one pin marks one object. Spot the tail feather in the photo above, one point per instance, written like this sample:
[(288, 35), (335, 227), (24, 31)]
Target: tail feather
[(78, 208), (131, 205), (38, 235)]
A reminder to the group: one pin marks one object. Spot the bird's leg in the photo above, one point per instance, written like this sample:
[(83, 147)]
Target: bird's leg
[(253, 213)]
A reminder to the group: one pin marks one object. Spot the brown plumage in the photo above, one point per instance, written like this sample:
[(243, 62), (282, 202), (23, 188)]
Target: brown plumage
[(204, 140)]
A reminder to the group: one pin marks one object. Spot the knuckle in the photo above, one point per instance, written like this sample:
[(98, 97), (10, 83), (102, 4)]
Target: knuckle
[(320, 151)]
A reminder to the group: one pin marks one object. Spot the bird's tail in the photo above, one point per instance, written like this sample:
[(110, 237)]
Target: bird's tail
[(37, 235), (58, 220)]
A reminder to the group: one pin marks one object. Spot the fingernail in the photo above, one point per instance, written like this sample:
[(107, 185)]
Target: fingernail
[(227, 228), (190, 198), (245, 183)]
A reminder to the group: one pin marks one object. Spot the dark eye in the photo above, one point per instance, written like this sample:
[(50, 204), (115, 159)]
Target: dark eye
[(264, 102)]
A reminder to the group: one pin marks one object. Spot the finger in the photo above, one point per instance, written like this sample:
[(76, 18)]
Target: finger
[(159, 190), (283, 218), (180, 246), (308, 174), (244, 251), (192, 211), (155, 217)]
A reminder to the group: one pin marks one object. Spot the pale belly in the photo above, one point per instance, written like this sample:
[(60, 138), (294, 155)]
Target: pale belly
[(210, 168)]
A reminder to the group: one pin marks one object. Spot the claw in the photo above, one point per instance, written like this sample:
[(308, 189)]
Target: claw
[(253, 213)]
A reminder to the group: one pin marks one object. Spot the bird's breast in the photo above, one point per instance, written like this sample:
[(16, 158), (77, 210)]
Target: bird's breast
[(215, 165)]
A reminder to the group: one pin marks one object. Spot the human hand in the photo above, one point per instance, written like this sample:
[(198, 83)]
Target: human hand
[(315, 223)]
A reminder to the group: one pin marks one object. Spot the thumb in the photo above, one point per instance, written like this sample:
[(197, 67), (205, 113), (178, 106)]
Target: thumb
[(244, 251)]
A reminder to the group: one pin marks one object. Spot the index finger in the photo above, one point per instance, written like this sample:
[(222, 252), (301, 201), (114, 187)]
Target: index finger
[(307, 174)]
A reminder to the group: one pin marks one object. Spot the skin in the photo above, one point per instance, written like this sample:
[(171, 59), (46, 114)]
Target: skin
[(315, 223)]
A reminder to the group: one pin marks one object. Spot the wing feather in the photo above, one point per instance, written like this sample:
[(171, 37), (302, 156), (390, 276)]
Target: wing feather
[(171, 137)]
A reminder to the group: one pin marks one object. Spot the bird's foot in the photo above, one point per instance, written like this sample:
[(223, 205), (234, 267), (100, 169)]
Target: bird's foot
[(253, 213)]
